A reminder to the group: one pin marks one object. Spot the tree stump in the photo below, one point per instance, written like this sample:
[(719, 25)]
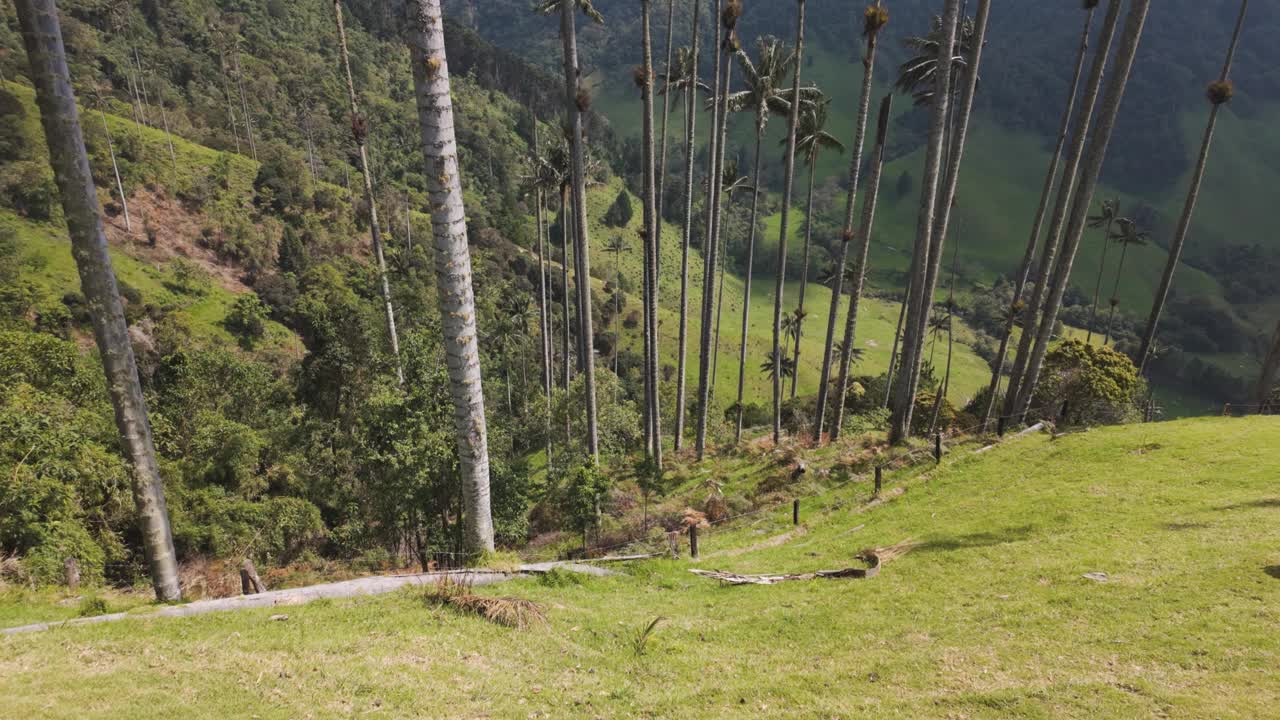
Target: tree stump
[(250, 583), (71, 574)]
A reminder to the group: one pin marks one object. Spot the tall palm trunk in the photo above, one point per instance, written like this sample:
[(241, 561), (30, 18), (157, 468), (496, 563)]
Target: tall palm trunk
[(1115, 291), (855, 171), (565, 239), (666, 106), (750, 271), (244, 105), (572, 74), (919, 298), (115, 168), (359, 131), (1193, 194), (711, 242), (1270, 373), (651, 231), (544, 308), (1090, 174), (1066, 191), (897, 342), (1097, 287), (42, 35), (715, 341), (690, 128), (1024, 269), (453, 267), (859, 275), (804, 267), (789, 176)]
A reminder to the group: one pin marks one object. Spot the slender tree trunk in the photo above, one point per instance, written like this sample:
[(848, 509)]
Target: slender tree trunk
[(1024, 269), (244, 103), (715, 341), (897, 342), (1189, 208), (1097, 287), (945, 388), (1053, 242), (860, 271), (690, 129), (804, 270), (115, 168), (142, 85), (855, 171), (42, 35), (544, 309), (566, 239), (1115, 292), (750, 271), (358, 132), (1090, 174), (168, 136), (666, 107), (789, 177), (453, 267), (572, 75), (920, 298), (1270, 373), (651, 230), (711, 243)]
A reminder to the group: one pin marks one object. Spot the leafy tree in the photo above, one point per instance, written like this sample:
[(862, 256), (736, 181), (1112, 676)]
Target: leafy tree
[(619, 213), (1098, 384)]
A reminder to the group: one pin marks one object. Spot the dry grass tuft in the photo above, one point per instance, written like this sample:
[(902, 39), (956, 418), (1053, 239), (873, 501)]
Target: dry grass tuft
[(892, 552), (11, 570), (507, 611)]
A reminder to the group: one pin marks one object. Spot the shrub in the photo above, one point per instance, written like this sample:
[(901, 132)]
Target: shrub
[(1098, 384), (247, 318), (620, 212)]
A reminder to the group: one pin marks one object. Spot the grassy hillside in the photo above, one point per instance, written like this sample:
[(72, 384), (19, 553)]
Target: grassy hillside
[(988, 617)]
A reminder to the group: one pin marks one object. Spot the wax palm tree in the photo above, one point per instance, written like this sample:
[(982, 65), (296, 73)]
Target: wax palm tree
[(812, 139), (360, 133), (1104, 220), (685, 79), (788, 367), (577, 101), (762, 97), (652, 228), (788, 183), (666, 107), (617, 245), (100, 103), (875, 18), (917, 74), (1091, 172), (1128, 235), (1219, 93), (1051, 177), (453, 266), (731, 183), (1052, 242), (729, 14), (47, 60), (920, 300), (541, 179)]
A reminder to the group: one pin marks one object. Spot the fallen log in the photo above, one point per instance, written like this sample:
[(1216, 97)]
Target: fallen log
[(875, 558), (1029, 431), (298, 596)]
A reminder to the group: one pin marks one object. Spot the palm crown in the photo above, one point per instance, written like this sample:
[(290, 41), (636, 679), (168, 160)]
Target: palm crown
[(916, 75), (812, 135), (546, 7)]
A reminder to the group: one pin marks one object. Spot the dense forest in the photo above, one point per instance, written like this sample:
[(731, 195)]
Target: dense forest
[(276, 235)]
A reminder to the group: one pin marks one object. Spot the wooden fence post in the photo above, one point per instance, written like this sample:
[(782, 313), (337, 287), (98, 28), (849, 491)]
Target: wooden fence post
[(937, 448), (71, 573), (693, 541), (673, 544), (1000, 427), (795, 511), (250, 583), (879, 478)]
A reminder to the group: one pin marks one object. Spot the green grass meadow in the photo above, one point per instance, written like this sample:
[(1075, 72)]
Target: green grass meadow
[(988, 617)]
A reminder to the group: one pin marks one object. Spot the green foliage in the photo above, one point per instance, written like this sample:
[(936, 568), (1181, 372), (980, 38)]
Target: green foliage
[(582, 491), (1099, 385), (620, 212), (247, 318)]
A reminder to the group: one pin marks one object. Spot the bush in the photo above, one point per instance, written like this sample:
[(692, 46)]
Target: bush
[(64, 539), (620, 212), (1098, 384), (247, 318)]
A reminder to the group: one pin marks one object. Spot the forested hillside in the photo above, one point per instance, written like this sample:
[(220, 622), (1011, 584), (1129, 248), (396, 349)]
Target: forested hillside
[(1222, 314)]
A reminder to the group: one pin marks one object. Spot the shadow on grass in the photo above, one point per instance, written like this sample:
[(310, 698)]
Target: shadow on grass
[(1273, 571), (1252, 504), (978, 540)]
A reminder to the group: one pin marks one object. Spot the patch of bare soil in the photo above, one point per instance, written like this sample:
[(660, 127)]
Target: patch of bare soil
[(177, 233)]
